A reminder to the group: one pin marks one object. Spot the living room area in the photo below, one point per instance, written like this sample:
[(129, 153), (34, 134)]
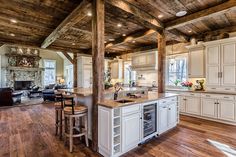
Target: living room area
[(30, 76)]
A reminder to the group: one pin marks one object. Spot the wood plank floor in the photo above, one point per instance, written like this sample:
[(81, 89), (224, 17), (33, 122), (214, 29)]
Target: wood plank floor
[(28, 131)]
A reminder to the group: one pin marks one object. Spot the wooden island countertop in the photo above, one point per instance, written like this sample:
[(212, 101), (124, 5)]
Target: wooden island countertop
[(151, 96)]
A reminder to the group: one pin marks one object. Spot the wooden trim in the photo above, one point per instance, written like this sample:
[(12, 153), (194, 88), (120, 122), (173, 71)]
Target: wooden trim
[(68, 57), (142, 17), (98, 48), (78, 14), (161, 61), (203, 14), (179, 35)]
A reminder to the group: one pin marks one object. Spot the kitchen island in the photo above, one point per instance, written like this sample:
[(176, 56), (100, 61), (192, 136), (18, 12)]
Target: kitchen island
[(127, 122), (84, 97)]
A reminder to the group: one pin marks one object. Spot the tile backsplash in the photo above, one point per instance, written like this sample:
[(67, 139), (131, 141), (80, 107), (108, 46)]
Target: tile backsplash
[(146, 78)]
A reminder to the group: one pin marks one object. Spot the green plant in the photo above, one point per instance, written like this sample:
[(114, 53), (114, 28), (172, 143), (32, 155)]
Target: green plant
[(176, 82)]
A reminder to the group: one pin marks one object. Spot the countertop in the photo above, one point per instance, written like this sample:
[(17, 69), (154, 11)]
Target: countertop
[(88, 91), (151, 96), (203, 91)]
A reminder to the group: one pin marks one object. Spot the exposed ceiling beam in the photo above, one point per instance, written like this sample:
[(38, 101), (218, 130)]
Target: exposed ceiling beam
[(143, 17), (130, 37), (179, 35), (78, 14), (229, 29), (203, 14), (68, 57)]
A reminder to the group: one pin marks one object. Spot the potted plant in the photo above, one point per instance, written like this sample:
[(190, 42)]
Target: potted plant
[(187, 84)]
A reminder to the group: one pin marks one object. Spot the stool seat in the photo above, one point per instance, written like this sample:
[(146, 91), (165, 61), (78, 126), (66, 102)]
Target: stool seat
[(57, 105), (77, 109)]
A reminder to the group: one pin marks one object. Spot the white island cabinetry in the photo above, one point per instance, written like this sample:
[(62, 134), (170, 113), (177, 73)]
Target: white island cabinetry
[(121, 129)]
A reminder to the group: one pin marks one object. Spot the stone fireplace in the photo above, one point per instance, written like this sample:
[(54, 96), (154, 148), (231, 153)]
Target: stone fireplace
[(23, 68)]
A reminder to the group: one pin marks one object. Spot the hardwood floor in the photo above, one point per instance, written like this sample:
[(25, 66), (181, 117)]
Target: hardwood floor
[(29, 131)]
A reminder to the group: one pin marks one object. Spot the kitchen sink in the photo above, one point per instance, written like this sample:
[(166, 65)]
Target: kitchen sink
[(123, 101)]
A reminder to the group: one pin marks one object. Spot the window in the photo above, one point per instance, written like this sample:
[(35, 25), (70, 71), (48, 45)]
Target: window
[(129, 75), (50, 72), (176, 70)]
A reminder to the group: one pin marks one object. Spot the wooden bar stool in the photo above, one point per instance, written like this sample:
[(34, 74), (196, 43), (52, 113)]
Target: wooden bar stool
[(75, 115), (58, 112)]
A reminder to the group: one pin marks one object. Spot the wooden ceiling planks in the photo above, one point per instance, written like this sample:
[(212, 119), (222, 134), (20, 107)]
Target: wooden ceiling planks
[(37, 19)]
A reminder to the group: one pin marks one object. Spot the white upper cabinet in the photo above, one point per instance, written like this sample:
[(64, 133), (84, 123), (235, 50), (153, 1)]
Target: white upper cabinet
[(144, 60), (196, 61), (213, 65), (221, 63), (116, 68), (228, 57)]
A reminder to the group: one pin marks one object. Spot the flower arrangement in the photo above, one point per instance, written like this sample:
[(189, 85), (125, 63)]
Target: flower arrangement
[(187, 84)]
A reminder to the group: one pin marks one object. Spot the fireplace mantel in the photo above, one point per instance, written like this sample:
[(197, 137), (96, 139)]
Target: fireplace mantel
[(24, 68)]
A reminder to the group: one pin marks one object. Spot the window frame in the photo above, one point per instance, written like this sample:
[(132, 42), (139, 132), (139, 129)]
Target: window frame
[(55, 69), (180, 55)]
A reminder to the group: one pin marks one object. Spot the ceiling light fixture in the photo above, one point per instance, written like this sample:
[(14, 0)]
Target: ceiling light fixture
[(160, 16), (190, 31), (73, 43), (181, 13), (123, 35), (119, 25), (89, 13), (111, 39), (13, 20), (133, 41), (12, 34)]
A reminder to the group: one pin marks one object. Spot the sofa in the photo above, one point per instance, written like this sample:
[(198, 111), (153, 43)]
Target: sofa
[(9, 97), (48, 92)]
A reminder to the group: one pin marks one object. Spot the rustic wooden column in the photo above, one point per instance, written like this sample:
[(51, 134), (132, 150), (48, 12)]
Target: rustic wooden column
[(75, 69), (161, 61), (98, 64)]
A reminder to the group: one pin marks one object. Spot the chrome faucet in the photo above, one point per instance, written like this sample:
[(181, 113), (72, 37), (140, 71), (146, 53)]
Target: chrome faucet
[(117, 89)]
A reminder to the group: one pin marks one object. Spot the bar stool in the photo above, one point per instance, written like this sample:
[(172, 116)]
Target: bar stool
[(76, 115), (58, 112)]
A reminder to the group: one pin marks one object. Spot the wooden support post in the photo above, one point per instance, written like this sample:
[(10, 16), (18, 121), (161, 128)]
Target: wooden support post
[(98, 64), (161, 61), (75, 69)]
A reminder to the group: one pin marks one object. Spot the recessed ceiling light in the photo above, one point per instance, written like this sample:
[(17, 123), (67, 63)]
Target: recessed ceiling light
[(111, 39), (89, 13), (181, 13), (13, 20), (105, 42), (12, 34), (190, 31), (73, 43), (133, 41), (160, 16), (123, 35), (119, 25)]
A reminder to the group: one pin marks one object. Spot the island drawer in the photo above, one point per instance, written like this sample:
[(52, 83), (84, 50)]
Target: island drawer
[(167, 100), (131, 109)]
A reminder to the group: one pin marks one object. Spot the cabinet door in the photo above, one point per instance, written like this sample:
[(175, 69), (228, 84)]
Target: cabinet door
[(172, 115), (193, 105), (213, 65), (196, 63), (142, 60), (114, 70), (226, 110), (228, 62), (209, 108), (135, 61), (163, 119), (182, 104), (87, 73), (150, 59), (131, 131)]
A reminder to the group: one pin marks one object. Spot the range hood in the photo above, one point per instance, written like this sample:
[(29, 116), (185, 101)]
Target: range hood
[(143, 61)]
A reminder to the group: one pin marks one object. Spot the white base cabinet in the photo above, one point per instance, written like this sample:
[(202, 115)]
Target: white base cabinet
[(217, 107), (168, 114)]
